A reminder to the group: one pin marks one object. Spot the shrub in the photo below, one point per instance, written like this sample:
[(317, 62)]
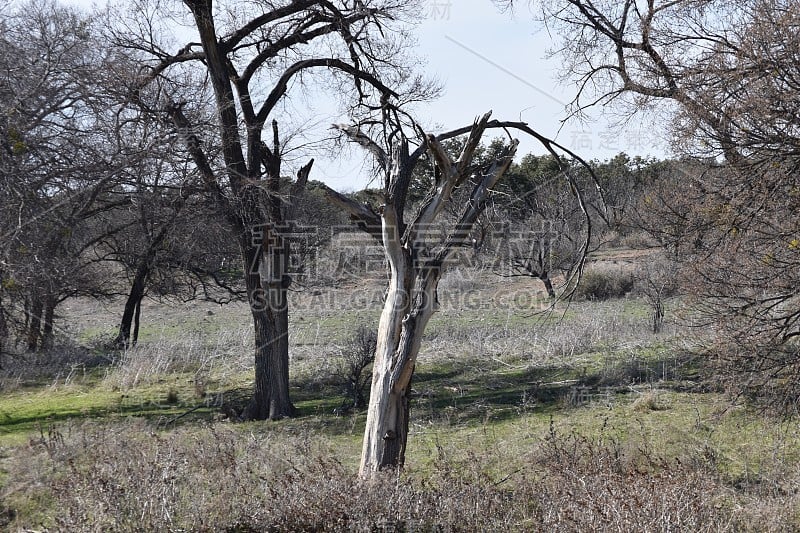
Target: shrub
[(356, 358), (604, 283)]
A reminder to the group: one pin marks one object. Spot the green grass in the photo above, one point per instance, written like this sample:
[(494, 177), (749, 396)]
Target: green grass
[(489, 388), (25, 413)]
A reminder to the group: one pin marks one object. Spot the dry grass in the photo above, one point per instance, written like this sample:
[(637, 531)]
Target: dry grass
[(483, 362), (649, 401), (564, 337), (221, 358), (127, 477)]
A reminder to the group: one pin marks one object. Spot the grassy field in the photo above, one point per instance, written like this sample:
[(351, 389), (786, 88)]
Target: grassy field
[(580, 419)]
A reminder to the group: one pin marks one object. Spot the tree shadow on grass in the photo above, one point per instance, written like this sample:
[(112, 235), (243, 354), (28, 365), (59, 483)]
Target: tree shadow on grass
[(454, 391)]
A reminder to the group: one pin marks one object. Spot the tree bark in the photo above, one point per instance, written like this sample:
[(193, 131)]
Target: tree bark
[(132, 309), (136, 317), (47, 326), (268, 286), (271, 387), (34, 323)]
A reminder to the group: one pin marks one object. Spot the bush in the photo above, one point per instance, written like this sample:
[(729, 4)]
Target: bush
[(604, 283), (356, 358)]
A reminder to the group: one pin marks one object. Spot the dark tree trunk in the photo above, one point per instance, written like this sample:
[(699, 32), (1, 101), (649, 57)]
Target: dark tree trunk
[(133, 304), (548, 284), (267, 289), (248, 208), (47, 326), (132, 309), (34, 323), (271, 388), (658, 315)]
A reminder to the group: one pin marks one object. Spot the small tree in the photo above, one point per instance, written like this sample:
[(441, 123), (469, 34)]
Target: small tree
[(541, 225), (655, 279)]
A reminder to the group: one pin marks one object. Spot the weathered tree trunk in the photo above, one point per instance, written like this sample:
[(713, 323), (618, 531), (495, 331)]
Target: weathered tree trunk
[(410, 302), (415, 266), (386, 432)]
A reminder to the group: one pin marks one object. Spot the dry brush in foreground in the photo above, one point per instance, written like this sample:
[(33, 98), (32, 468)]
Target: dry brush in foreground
[(126, 477)]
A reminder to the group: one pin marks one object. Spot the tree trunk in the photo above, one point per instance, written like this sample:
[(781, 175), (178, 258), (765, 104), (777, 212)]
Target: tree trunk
[(47, 327), (132, 308), (133, 305), (386, 432), (271, 388), (400, 330), (268, 286), (548, 285), (34, 323)]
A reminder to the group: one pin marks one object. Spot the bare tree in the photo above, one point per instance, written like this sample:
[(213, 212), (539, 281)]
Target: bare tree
[(167, 254), (253, 57), (541, 233), (59, 161), (416, 258), (726, 75)]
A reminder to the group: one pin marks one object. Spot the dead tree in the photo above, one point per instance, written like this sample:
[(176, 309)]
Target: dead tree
[(416, 260)]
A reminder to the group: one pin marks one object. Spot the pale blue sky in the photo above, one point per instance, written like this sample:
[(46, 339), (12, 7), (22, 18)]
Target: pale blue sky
[(494, 60), (486, 60)]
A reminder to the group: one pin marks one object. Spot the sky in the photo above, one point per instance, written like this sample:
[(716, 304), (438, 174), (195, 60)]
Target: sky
[(490, 60), (494, 60)]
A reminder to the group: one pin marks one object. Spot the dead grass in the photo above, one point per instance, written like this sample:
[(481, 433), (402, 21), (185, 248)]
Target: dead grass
[(640, 457), (127, 477), (223, 357)]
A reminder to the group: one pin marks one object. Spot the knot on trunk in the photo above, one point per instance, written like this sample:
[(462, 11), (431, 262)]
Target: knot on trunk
[(389, 435)]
